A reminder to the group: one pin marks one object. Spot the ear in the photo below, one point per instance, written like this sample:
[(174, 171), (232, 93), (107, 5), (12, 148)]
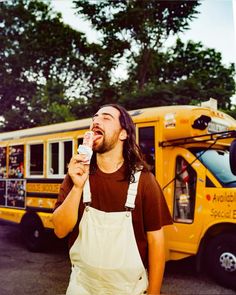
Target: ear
[(123, 135)]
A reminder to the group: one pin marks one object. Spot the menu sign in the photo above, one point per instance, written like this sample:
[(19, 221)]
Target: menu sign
[(16, 161), (16, 192), (3, 162)]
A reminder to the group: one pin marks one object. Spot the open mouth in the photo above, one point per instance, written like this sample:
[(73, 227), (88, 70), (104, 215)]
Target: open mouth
[(97, 134)]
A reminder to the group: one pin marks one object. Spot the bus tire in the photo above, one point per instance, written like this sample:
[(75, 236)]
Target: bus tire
[(221, 259), (33, 232), (232, 156)]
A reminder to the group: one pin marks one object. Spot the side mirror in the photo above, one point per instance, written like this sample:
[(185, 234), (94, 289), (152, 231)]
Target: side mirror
[(232, 156), (201, 123)]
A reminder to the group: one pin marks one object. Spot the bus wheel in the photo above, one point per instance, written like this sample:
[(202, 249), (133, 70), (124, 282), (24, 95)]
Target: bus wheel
[(221, 259), (33, 232)]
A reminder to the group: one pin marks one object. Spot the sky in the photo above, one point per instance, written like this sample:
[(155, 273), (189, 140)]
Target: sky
[(214, 27)]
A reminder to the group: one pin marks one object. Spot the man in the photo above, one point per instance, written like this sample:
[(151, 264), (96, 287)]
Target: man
[(117, 241)]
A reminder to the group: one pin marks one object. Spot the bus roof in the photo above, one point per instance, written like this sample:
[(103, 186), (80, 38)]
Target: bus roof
[(138, 115)]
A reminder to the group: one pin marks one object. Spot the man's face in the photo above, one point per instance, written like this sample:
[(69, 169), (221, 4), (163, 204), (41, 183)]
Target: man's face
[(106, 124)]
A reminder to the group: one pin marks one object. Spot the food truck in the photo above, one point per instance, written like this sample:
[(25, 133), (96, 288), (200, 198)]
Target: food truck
[(188, 149)]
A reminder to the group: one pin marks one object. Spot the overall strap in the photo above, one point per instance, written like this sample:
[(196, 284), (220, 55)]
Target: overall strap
[(86, 192), (132, 192)]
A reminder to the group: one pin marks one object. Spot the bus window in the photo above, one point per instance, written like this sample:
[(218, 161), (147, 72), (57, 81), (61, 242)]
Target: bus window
[(147, 145), (80, 141), (60, 154), (217, 161), (67, 154), (3, 162), (185, 191), (16, 161), (54, 158), (36, 159)]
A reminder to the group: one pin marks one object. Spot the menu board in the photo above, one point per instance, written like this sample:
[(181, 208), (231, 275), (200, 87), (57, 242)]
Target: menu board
[(3, 166), (2, 192), (16, 192), (16, 161)]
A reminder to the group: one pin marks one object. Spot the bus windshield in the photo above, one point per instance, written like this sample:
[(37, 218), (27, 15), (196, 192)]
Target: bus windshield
[(217, 161)]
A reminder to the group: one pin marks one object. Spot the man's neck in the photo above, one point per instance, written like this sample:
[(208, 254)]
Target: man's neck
[(109, 163)]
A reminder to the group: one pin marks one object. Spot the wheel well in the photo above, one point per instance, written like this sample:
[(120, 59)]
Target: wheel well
[(32, 232), (30, 217), (212, 232)]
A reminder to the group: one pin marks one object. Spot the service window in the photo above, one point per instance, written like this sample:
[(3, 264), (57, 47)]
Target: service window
[(3, 162), (16, 161), (68, 150), (185, 191), (80, 141), (146, 142), (36, 155), (54, 158), (59, 155)]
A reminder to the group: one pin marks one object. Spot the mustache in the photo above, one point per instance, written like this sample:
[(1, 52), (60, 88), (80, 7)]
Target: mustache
[(98, 130)]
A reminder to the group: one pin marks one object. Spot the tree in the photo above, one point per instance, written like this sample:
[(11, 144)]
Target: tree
[(198, 73), (184, 74), (134, 28), (137, 30), (36, 48)]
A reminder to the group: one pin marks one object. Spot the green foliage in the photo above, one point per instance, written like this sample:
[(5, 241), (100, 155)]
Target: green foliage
[(49, 72), (50, 105), (151, 96), (36, 48), (191, 72), (198, 73), (136, 28)]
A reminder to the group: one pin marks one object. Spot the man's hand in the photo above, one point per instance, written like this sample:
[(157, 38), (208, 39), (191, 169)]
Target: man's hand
[(78, 170)]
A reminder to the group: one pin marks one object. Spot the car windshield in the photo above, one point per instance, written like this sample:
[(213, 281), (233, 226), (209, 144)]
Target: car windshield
[(217, 161)]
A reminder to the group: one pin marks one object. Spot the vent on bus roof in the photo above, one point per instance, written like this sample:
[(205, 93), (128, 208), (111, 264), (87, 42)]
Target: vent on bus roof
[(136, 113)]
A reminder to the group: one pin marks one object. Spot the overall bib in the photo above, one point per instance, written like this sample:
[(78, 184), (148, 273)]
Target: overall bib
[(105, 258)]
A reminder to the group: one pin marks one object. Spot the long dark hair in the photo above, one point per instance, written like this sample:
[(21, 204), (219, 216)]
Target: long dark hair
[(133, 158)]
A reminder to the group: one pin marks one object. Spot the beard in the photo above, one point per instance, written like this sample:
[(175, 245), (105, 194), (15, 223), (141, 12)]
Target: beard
[(105, 145)]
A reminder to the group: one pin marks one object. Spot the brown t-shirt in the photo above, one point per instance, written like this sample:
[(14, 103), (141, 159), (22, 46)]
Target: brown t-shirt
[(109, 193)]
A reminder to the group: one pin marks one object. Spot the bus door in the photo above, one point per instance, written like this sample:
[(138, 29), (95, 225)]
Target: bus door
[(185, 193), (146, 141)]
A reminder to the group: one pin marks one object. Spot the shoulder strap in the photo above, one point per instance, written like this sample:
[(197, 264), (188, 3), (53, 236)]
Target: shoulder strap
[(132, 191), (86, 192)]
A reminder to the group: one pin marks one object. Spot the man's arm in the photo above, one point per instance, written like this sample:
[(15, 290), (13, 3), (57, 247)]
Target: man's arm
[(156, 261), (65, 216)]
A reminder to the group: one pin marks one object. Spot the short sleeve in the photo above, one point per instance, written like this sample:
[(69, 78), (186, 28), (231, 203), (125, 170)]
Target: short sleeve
[(64, 190), (156, 213)]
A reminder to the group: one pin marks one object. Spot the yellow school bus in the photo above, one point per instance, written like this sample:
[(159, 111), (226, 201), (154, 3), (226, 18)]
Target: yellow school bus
[(188, 149)]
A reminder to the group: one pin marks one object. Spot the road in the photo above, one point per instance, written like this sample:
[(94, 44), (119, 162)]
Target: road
[(25, 273)]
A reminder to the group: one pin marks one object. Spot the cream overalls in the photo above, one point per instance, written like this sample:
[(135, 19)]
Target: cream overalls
[(105, 257)]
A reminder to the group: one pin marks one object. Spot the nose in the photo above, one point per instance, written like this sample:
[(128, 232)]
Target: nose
[(96, 121), (95, 124)]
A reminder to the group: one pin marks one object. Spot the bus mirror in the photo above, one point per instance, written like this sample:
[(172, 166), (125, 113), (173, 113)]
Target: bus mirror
[(201, 123), (232, 156)]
